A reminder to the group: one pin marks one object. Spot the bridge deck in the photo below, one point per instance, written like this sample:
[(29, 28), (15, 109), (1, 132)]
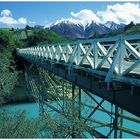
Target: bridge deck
[(126, 65), (96, 64), (120, 55)]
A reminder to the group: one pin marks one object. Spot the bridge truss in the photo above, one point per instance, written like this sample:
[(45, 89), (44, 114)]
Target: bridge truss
[(107, 67), (116, 58), (79, 107)]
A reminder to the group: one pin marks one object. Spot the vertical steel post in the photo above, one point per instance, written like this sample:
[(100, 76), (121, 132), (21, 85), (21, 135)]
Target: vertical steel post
[(63, 96), (79, 113), (116, 122), (67, 53), (78, 54), (121, 123), (66, 95), (41, 93), (121, 55), (95, 52), (41, 108), (111, 118), (73, 110), (139, 47)]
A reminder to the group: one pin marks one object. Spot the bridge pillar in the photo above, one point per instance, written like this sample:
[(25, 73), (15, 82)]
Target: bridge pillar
[(79, 112), (63, 92), (73, 110), (75, 106), (41, 106), (116, 122), (121, 123)]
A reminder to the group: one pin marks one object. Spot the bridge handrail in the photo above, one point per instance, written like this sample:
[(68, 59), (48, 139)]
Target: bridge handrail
[(115, 38), (122, 54)]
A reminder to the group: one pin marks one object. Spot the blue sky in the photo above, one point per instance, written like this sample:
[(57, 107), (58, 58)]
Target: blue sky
[(18, 14)]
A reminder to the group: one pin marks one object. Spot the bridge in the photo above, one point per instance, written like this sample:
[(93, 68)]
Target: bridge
[(106, 67)]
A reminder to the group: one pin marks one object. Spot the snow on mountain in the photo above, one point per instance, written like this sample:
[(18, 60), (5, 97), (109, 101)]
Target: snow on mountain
[(73, 28), (95, 28), (114, 26), (68, 29), (83, 23)]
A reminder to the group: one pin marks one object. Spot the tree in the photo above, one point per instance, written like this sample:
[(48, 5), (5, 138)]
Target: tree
[(131, 24), (96, 35), (43, 36), (18, 126), (28, 27), (6, 39), (12, 29)]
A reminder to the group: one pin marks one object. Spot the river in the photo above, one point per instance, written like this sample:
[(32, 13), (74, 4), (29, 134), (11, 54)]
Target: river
[(32, 111)]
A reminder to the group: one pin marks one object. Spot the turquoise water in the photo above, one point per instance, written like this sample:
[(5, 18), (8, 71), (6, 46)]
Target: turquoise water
[(106, 118), (32, 111)]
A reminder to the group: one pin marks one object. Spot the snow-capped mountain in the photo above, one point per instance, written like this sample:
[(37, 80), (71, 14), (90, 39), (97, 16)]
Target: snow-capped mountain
[(114, 26), (73, 29), (68, 29), (97, 28)]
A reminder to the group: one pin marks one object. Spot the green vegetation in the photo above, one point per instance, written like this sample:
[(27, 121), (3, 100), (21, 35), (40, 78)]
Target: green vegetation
[(132, 29), (8, 73), (43, 36), (129, 29), (6, 40), (19, 38), (17, 126)]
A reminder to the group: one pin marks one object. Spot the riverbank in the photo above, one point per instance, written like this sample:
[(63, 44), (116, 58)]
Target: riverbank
[(19, 94)]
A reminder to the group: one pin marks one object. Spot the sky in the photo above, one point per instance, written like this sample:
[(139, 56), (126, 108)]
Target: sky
[(20, 14)]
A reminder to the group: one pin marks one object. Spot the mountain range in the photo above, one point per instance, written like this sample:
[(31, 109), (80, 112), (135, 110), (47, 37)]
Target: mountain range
[(78, 30)]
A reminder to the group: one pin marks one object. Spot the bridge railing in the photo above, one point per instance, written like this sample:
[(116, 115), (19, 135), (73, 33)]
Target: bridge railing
[(117, 56)]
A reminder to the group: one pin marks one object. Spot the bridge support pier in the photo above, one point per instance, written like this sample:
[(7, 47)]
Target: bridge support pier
[(116, 122), (63, 92), (69, 99), (41, 107), (79, 113), (121, 122), (73, 110)]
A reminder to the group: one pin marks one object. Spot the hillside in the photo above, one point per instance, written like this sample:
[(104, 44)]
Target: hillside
[(76, 30), (129, 30), (18, 38), (73, 30)]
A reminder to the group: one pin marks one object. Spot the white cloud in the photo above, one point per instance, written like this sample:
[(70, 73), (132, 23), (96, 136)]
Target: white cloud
[(22, 20), (6, 18), (6, 13), (85, 15), (121, 13)]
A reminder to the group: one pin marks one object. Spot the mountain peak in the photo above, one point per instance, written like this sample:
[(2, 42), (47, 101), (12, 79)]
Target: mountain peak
[(72, 28), (84, 23), (65, 21), (114, 26)]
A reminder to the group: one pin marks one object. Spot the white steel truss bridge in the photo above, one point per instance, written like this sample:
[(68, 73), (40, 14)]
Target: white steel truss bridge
[(107, 67)]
